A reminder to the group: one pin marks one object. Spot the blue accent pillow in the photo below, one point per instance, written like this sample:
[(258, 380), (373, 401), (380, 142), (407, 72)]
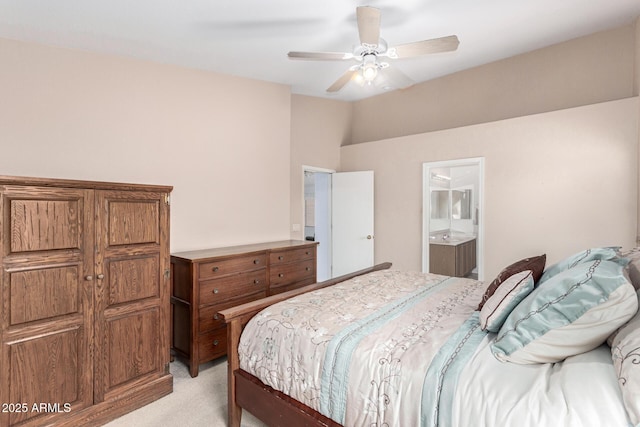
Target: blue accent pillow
[(611, 253), (571, 313)]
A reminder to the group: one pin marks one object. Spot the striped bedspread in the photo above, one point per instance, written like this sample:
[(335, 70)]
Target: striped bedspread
[(381, 349)]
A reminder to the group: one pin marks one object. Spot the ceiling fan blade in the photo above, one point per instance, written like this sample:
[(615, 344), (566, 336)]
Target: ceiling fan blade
[(343, 80), (368, 24), (442, 44), (320, 56)]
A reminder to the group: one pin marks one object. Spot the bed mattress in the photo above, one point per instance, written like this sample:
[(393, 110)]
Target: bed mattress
[(405, 348)]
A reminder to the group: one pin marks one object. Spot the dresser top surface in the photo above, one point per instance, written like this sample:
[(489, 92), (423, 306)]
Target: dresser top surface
[(240, 249)]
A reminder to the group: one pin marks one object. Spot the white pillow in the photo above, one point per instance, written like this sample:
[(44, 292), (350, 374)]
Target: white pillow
[(499, 305), (625, 352), (571, 313)]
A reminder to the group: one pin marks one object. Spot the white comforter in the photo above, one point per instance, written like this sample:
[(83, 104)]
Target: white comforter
[(404, 349), (582, 391)]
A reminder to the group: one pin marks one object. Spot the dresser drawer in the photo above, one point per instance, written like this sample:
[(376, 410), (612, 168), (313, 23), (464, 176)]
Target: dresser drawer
[(216, 291), (212, 344), (286, 274), (208, 317), (213, 269), (291, 255)]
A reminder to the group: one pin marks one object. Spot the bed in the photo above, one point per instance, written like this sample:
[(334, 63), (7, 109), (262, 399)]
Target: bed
[(539, 345)]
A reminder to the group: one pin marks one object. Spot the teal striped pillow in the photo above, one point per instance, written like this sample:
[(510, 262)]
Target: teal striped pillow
[(572, 312), (611, 253)]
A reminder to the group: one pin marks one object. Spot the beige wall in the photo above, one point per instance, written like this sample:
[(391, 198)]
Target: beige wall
[(636, 91), (555, 183), (233, 148), (584, 71), (318, 128), (222, 142), (636, 80)]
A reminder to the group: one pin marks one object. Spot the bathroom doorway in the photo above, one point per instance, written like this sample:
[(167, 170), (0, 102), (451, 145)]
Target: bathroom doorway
[(453, 205)]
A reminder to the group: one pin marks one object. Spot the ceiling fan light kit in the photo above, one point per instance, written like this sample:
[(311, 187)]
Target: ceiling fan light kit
[(369, 68), (371, 48)]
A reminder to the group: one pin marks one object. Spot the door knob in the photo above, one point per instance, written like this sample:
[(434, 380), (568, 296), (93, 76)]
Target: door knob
[(369, 237)]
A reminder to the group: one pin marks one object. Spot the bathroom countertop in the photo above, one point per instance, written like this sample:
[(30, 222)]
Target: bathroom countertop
[(451, 241)]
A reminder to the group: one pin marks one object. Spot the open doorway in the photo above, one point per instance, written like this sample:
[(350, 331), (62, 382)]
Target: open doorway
[(338, 214), (317, 216), (453, 220)]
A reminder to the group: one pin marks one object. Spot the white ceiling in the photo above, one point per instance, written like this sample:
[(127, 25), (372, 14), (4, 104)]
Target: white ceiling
[(251, 38)]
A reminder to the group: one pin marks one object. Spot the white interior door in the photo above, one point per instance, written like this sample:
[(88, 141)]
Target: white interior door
[(352, 221)]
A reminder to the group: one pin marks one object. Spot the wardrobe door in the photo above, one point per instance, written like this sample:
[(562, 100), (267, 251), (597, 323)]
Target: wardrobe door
[(46, 316), (132, 292)]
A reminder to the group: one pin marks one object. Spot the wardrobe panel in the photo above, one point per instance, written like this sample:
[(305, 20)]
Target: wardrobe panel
[(133, 352), (40, 225), (44, 293), (47, 369), (132, 279), (133, 221)]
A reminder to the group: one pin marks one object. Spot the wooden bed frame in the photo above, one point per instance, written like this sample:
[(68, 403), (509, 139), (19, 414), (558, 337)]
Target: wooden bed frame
[(246, 391)]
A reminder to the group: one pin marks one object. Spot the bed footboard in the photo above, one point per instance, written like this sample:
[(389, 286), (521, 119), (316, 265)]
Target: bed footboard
[(237, 317)]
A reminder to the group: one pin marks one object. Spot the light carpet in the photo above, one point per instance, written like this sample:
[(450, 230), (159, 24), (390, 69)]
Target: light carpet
[(195, 402)]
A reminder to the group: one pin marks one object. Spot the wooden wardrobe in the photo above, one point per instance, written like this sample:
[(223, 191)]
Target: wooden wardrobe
[(84, 319)]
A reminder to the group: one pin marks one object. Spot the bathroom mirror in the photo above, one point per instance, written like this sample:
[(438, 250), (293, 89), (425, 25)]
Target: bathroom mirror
[(461, 204), (439, 204)]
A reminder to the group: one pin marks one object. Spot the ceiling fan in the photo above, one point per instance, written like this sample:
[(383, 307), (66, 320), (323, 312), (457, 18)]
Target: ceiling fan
[(372, 48)]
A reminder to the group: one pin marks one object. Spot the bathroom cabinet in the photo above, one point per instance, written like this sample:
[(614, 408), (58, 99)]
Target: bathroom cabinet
[(452, 258)]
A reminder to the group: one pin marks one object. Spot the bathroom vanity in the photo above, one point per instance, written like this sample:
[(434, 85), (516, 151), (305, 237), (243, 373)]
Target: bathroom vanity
[(453, 256)]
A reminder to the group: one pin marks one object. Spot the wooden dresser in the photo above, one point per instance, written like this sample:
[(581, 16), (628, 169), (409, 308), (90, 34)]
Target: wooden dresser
[(209, 280), (84, 319)]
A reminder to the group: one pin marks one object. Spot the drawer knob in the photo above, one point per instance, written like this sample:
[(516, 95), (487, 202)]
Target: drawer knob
[(216, 316), (280, 257), (256, 282), (308, 268), (306, 253), (216, 342), (256, 261), (215, 268), (88, 278), (215, 291), (281, 275)]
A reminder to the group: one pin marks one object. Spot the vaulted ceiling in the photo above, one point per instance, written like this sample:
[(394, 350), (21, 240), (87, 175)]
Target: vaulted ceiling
[(251, 38)]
